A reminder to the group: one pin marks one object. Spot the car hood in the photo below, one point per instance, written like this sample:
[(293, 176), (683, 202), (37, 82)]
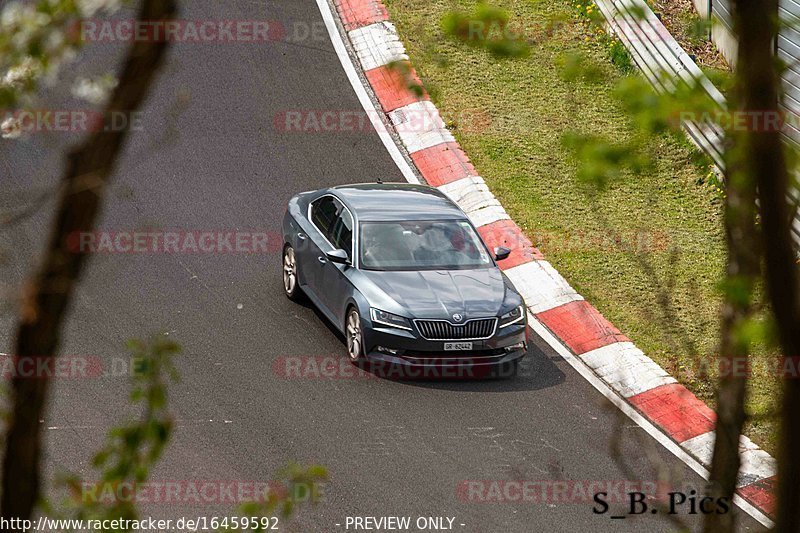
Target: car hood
[(440, 293)]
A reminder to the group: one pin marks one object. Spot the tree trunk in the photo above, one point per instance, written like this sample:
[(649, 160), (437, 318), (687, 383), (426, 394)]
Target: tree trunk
[(756, 155), (765, 160), (768, 165), (743, 270), (47, 296)]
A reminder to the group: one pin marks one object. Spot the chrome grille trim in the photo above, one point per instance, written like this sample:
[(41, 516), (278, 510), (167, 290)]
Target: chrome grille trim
[(444, 330)]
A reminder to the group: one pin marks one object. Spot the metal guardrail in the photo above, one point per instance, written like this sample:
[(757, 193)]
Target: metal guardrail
[(665, 63)]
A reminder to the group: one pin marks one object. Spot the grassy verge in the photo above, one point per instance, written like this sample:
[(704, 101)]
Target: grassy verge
[(648, 251)]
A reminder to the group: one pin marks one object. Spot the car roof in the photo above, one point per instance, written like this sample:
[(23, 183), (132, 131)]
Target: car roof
[(397, 201)]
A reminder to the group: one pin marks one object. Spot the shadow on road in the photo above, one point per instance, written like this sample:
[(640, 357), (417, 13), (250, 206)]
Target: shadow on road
[(536, 371)]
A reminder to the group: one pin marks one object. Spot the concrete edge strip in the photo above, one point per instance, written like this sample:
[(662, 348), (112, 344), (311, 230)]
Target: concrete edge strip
[(377, 45), (621, 372)]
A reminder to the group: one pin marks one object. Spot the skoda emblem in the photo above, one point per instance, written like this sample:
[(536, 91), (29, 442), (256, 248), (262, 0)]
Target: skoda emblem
[(458, 317)]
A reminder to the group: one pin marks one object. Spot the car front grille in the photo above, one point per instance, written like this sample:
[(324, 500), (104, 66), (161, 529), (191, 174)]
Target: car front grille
[(442, 330)]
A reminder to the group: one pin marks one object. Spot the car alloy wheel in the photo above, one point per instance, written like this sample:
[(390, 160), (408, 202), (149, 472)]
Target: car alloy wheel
[(355, 340), (290, 273)]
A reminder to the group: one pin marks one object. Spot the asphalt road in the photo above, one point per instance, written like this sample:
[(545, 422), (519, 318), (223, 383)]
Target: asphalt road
[(218, 163)]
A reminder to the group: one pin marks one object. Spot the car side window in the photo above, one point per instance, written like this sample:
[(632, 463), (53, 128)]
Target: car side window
[(323, 214), (343, 232)]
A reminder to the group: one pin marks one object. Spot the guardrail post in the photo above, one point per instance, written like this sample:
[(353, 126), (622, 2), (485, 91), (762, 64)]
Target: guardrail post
[(708, 17)]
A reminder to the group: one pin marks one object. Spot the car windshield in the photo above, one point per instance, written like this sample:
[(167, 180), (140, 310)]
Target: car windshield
[(422, 245)]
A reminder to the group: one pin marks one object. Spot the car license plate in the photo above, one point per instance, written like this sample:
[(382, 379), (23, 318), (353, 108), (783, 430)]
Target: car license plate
[(457, 346)]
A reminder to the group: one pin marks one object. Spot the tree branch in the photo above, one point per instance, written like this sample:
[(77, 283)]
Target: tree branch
[(46, 301)]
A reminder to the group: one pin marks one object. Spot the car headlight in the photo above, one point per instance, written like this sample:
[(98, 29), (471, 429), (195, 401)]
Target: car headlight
[(512, 317), (389, 319)]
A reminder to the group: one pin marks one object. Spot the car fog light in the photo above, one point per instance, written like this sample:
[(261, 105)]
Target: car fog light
[(384, 349), (515, 347)]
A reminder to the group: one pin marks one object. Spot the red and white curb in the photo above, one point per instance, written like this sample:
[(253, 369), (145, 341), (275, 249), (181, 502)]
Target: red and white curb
[(576, 330)]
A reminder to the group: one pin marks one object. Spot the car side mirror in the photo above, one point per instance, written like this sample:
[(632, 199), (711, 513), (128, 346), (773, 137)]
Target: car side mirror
[(338, 256), (501, 252)]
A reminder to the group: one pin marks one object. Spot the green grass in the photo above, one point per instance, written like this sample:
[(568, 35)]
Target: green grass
[(665, 298)]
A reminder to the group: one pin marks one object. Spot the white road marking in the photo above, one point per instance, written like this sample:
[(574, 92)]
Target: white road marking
[(756, 463), (626, 368), (361, 92), (377, 45), (420, 126), (474, 198), (541, 285)]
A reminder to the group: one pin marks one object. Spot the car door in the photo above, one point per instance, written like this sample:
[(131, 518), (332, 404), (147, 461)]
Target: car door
[(322, 214), (335, 278)]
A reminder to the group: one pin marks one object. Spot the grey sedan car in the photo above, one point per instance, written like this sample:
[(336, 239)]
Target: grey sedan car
[(401, 271)]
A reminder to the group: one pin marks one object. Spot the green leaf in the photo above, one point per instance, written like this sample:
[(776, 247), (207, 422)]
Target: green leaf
[(487, 27)]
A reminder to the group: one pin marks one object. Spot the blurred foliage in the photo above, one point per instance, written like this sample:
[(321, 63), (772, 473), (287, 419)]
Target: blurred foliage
[(302, 486), (406, 71), (574, 66), (699, 28), (487, 27), (601, 160), (650, 112), (133, 449), (37, 39)]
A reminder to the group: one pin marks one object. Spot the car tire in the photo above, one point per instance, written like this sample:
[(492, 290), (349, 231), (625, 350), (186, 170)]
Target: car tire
[(291, 287), (354, 335)]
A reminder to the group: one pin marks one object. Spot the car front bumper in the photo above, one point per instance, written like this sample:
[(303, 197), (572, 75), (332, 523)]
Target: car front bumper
[(393, 347)]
